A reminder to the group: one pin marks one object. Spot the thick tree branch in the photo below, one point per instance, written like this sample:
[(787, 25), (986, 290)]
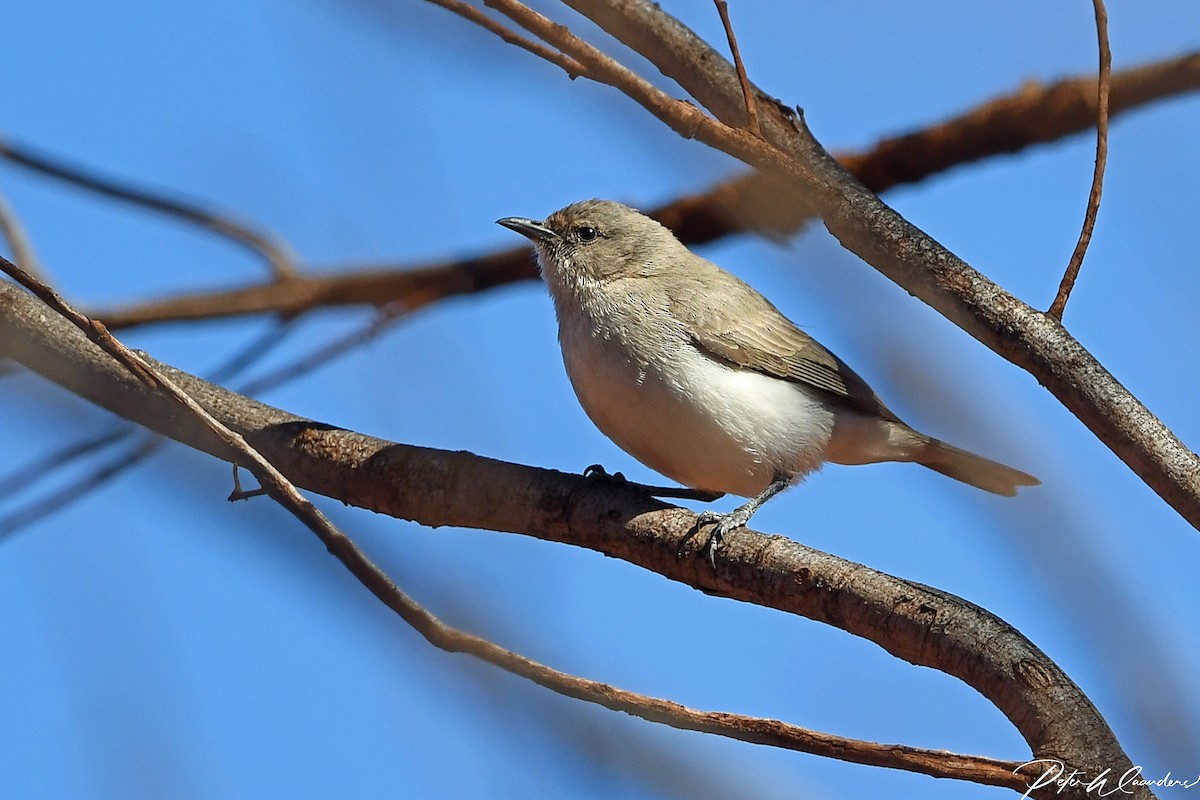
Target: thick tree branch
[(755, 202), (913, 622), (234, 445)]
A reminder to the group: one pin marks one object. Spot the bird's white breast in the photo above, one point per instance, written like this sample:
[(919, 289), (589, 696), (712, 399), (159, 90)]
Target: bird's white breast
[(684, 414)]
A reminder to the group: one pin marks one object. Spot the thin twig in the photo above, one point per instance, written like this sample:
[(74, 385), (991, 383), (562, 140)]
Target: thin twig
[(255, 350), (19, 245), (27, 475), (1093, 205), (112, 468), (939, 763), (747, 89), (238, 492), (681, 116), (270, 248), (326, 352), (94, 329), (80, 488), (569, 65)]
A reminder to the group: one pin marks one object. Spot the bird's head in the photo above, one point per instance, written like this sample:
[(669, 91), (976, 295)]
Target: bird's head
[(597, 240)]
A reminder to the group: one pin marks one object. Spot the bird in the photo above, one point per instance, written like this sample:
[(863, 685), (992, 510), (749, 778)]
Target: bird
[(698, 376)]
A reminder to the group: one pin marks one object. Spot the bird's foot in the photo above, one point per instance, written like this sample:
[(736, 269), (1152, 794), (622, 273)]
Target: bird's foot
[(739, 516), (596, 471), (725, 523)]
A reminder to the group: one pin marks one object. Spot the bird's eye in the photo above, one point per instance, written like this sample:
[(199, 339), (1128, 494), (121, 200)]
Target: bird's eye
[(586, 233)]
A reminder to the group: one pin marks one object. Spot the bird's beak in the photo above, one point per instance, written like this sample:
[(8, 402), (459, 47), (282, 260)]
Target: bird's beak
[(532, 229)]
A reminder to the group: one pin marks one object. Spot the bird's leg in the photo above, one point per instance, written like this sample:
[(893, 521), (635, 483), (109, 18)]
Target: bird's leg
[(596, 471), (739, 516)]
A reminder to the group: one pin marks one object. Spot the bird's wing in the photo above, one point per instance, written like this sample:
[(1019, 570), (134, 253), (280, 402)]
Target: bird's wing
[(743, 329)]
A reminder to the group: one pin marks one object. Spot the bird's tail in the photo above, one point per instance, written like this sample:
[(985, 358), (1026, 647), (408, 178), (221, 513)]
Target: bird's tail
[(980, 472)]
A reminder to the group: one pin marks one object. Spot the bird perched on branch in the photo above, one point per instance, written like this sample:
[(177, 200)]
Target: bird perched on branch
[(695, 374)]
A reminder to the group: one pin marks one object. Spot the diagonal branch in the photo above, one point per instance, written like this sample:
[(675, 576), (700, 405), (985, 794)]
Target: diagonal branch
[(472, 14), (108, 469), (275, 253), (216, 420), (755, 202), (913, 622)]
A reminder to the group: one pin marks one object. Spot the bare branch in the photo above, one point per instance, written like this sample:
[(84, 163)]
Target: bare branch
[(753, 202), (23, 477), (1034, 114), (569, 65), (326, 352), (79, 488), (913, 622), (253, 350), (415, 288), (1093, 206), (94, 330), (210, 423), (27, 475), (18, 242), (275, 253), (743, 79)]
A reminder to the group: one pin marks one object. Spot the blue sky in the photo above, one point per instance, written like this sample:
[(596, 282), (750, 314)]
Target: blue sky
[(160, 642)]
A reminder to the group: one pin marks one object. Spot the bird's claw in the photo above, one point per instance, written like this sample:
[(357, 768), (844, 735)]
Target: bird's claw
[(598, 471), (725, 523)]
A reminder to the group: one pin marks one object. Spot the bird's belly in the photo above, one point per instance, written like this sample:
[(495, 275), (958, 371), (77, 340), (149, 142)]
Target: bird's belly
[(698, 421)]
